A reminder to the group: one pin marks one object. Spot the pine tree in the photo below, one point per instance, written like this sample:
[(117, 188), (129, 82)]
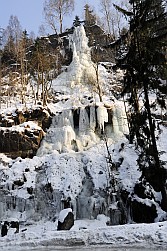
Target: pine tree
[(145, 65), (76, 21)]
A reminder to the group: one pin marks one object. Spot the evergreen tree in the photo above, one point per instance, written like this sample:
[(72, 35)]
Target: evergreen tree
[(90, 17), (145, 65), (76, 21)]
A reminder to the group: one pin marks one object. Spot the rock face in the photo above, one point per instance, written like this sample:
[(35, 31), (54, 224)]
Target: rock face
[(24, 143), (38, 114), (98, 37), (22, 131), (66, 219)]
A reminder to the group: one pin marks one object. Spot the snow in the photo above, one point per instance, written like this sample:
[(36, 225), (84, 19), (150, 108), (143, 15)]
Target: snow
[(88, 233), (21, 128), (63, 214)]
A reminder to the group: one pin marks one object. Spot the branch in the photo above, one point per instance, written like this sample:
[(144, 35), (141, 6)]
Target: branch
[(124, 12)]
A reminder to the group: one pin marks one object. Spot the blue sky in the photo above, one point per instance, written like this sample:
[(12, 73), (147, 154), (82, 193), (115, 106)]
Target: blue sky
[(30, 12)]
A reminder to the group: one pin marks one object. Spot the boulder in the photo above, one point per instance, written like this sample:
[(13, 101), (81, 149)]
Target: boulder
[(66, 219), (4, 229), (143, 213), (13, 223)]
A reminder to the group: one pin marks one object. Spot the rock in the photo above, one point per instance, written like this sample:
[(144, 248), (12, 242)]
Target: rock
[(39, 114), (14, 224), (9, 224), (4, 229), (20, 143), (66, 219), (143, 213), (144, 190)]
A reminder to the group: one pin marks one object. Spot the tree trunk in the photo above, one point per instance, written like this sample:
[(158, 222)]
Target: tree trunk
[(61, 20), (151, 125)]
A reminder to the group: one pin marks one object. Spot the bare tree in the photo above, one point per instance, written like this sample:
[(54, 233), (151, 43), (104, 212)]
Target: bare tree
[(23, 44), (105, 6), (42, 31), (44, 67), (14, 31), (96, 65), (55, 10), (113, 20)]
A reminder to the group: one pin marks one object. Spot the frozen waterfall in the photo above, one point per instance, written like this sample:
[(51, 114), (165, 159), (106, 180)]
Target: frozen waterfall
[(79, 129), (81, 71), (82, 124)]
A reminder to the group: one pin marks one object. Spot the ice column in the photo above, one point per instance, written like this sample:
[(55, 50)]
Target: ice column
[(92, 118), (83, 121), (102, 116)]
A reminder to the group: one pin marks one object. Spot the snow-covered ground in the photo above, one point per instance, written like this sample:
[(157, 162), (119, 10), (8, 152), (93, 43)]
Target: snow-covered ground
[(87, 234)]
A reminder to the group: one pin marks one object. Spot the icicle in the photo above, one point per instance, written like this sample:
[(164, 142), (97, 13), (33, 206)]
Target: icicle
[(63, 118), (69, 136), (75, 56), (83, 121), (67, 118), (119, 120), (102, 116), (92, 118), (115, 122)]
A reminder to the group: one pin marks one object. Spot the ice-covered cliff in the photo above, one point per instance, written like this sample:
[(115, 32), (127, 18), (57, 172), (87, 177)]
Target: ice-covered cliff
[(71, 165), (84, 158)]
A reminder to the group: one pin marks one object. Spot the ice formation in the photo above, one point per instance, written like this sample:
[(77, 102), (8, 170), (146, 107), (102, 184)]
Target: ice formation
[(81, 72), (79, 126), (71, 133)]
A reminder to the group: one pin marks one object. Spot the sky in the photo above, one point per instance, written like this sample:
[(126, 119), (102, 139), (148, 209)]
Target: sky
[(30, 13)]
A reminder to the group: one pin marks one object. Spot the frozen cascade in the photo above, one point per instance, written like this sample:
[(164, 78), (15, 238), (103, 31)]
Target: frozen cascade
[(115, 122), (75, 174), (60, 135), (80, 127), (81, 69), (71, 132), (64, 118)]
